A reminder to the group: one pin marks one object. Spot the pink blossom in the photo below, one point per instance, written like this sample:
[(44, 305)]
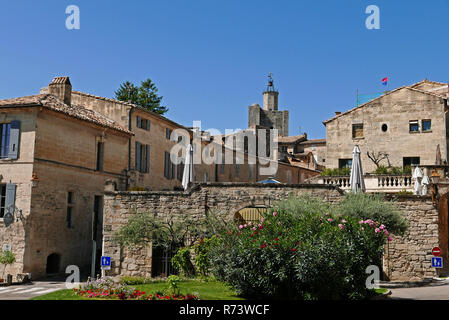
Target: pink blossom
[(250, 223), (377, 230), (275, 214), (330, 220), (240, 227), (262, 220), (344, 221), (389, 238), (279, 223), (361, 222), (339, 215), (254, 228), (382, 227), (363, 228), (341, 226)]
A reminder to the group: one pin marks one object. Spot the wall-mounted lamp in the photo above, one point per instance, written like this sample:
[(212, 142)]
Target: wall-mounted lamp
[(34, 180)]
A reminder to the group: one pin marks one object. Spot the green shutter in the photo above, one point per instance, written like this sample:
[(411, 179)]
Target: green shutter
[(138, 156), (148, 158), (14, 135)]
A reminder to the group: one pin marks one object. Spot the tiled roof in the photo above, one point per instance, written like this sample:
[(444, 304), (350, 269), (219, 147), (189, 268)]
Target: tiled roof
[(131, 105), (52, 103), (291, 139), (313, 141)]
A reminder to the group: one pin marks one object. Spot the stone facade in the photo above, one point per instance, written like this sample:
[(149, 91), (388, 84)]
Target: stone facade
[(383, 125)]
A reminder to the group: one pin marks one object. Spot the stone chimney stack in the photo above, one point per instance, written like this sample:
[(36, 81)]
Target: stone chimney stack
[(62, 88)]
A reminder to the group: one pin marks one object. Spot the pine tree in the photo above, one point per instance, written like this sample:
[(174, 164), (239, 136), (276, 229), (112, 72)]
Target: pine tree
[(145, 96)]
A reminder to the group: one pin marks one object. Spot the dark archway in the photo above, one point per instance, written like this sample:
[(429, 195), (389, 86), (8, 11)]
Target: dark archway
[(53, 263), (443, 230)]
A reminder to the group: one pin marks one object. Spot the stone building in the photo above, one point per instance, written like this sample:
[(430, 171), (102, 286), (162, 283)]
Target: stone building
[(405, 126), (55, 160)]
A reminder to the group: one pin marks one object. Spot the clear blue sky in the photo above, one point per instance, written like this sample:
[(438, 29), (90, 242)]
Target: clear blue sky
[(210, 58)]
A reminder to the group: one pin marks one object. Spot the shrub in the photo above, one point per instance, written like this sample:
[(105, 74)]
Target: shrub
[(127, 280), (7, 258), (336, 172), (182, 263), (393, 170), (202, 250), (375, 207), (173, 284), (137, 188), (299, 251)]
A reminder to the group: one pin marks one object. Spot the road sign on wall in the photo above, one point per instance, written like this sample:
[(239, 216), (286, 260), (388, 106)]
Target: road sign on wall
[(436, 251), (437, 262), (106, 263)]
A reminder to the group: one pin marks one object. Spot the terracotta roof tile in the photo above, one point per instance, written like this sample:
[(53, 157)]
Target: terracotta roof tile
[(291, 139), (52, 103)]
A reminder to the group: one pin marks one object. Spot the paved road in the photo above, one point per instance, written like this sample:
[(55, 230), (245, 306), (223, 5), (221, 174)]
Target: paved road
[(30, 290), (440, 292)]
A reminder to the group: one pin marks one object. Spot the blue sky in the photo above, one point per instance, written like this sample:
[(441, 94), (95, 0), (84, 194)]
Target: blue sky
[(210, 59)]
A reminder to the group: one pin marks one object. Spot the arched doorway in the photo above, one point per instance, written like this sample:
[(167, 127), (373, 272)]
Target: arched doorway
[(250, 214), (53, 263)]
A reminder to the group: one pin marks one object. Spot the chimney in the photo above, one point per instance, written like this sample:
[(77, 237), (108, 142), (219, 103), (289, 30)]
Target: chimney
[(61, 88), (337, 113)]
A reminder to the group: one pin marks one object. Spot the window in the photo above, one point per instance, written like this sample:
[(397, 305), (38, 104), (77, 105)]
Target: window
[(142, 157), (344, 163), (100, 156), (426, 125), (408, 161), (414, 126), (357, 130), (251, 169), (237, 169), (168, 133), (2, 199), (7, 197), (70, 205), (143, 123), (9, 139)]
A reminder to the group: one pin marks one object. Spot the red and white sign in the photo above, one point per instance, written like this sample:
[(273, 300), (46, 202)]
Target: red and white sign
[(436, 251)]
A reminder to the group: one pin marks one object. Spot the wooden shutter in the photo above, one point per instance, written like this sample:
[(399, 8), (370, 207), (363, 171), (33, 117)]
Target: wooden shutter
[(138, 155), (10, 196), (148, 158), (166, 165), (148, 124), (14, 140), (139, 122)]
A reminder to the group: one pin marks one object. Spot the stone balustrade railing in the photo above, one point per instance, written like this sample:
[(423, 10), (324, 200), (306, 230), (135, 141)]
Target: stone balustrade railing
[(373, 183)]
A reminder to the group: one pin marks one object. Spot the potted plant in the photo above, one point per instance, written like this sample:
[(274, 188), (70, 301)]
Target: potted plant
[(7, 258)]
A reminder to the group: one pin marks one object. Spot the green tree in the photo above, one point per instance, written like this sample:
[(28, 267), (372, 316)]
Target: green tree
[(146, 95)]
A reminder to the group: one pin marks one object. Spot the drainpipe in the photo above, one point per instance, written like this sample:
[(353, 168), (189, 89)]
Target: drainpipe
[(445, 126)]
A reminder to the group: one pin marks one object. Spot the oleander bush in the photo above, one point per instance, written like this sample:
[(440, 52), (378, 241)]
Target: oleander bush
[(301, 249)]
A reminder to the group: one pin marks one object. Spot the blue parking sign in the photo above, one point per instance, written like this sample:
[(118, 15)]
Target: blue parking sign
[(437, 262), (106, 263)]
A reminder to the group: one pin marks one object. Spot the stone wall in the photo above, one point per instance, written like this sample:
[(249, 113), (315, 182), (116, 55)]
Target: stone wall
[(223, 197), (406, 258), (409, 257)]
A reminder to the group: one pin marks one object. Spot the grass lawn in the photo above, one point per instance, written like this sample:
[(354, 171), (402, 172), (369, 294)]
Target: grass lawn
[(211, 290)]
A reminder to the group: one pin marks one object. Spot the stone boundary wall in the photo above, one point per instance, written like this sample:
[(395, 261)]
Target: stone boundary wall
[(405, 258), (409, 257), (223, 197)]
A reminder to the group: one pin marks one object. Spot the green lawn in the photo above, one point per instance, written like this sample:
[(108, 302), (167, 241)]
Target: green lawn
[(211, 290)]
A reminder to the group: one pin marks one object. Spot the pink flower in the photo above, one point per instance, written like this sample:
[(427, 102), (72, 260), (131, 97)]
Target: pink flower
[(377, 230), (275, 214), (382, 227), (363, 228), (361, 222), (341, 226), (279, 223), (330, 220), (344, 221), (262, 220), (250, 223), (240, 227), (339, 215), (386, 232), (245, 225), (254, 228), (389, 238)]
